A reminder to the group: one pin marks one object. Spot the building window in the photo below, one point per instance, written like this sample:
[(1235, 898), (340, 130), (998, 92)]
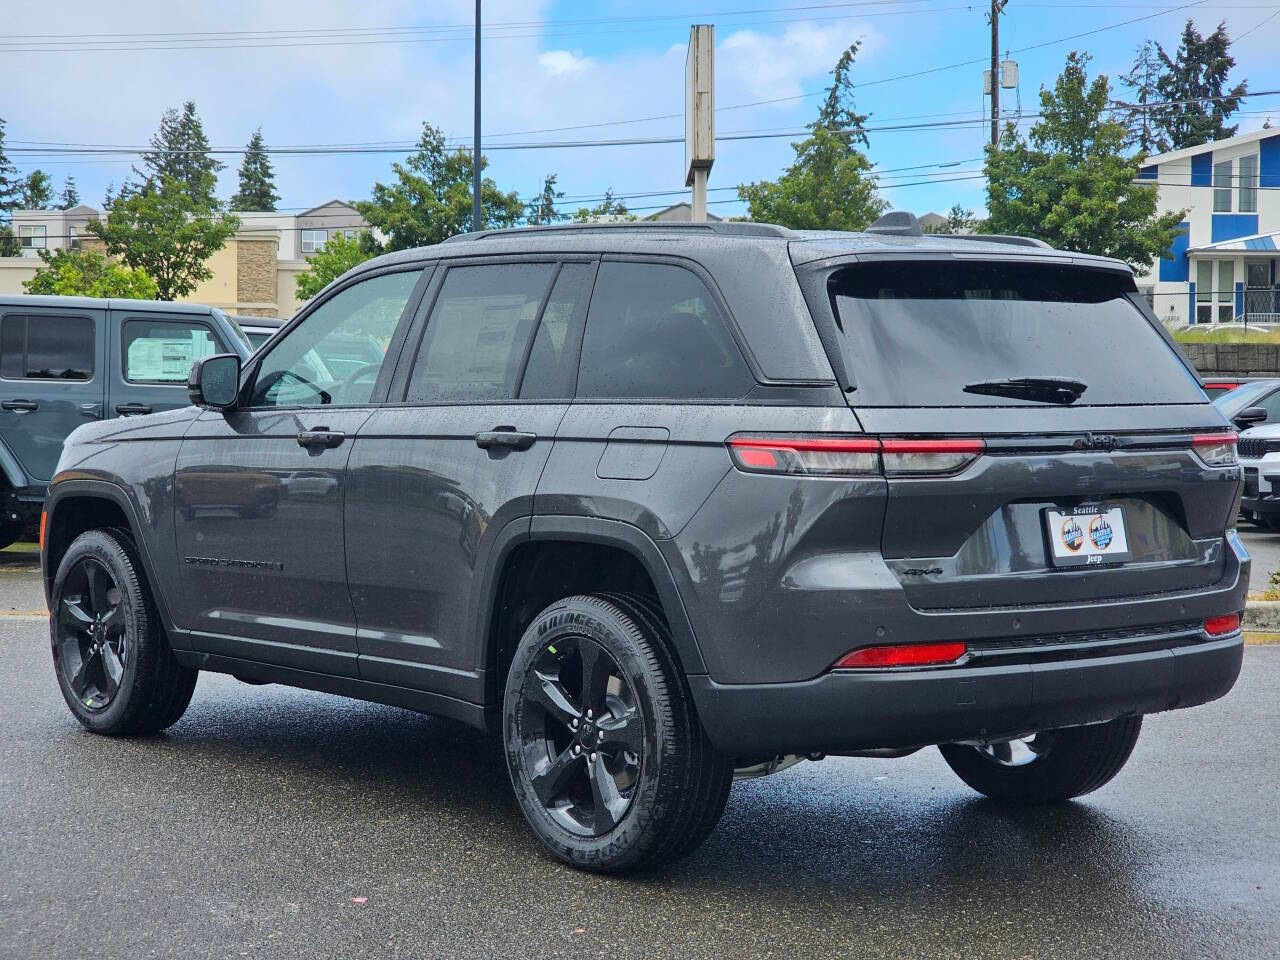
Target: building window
[(350, 234), (1222, 187), (1204, 281), (1226, 290), (313, 240), (1204, 313), (1248, 184), (33, 236), (72, 240)]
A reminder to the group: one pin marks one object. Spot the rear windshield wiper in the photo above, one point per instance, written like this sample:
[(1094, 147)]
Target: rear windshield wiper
[(1043, 389)]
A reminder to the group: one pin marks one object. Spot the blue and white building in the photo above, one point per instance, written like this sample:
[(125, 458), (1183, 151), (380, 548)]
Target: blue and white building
[(1226, 262)]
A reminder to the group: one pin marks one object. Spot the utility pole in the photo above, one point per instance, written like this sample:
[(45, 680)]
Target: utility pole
[(476, 222), (996, 7)]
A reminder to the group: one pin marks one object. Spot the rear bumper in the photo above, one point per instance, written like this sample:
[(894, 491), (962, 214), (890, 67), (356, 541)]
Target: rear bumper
[(848, 710)]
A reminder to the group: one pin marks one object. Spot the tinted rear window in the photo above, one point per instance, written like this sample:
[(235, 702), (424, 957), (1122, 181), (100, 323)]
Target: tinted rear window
[(915, 333)]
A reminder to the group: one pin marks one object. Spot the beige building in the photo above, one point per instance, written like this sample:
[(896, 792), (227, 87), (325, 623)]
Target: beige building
[(254, 274)]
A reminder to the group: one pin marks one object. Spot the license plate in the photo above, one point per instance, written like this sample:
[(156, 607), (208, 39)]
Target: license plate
[(1086, 536)]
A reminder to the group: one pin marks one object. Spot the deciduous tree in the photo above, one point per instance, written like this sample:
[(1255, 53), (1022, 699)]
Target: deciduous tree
[(338, 255), (1072, 183), (167, 232), (87, 273), (609, 206), (830, 185), (430, 199)]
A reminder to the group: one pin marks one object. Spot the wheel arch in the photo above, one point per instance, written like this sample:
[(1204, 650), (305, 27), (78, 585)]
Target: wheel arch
[(617, 553), (75, 506)]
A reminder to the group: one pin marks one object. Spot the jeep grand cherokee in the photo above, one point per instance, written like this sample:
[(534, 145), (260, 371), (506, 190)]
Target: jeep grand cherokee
[(658, 503)]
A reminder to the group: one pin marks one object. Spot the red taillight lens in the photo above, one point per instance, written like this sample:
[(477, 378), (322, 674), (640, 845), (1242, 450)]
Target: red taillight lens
[(852, 456), (1217, 626), (903, 655), (820, 456), (929, 456), (1215, 449)]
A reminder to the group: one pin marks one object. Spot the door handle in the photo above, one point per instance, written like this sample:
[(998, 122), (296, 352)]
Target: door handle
[(132, 409), (91, 410), (321, 438), (505, 437), (20, 406)]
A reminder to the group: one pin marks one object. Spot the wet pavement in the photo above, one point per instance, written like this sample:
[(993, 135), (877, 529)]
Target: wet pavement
[(1264, 547), (280, 823)]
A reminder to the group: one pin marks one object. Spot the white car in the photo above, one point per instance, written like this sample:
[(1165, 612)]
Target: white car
[(1259, 453)]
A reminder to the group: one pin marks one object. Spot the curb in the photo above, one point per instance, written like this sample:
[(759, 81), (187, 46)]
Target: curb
[(1262, 616)]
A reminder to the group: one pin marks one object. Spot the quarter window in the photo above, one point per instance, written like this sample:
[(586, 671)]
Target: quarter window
[(334, 355), (552, 369), (46, 348), (654, 331), (162, 351), (475, 339), (313, 240)]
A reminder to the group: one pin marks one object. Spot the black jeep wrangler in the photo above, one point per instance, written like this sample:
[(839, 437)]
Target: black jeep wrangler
[(661, 503)]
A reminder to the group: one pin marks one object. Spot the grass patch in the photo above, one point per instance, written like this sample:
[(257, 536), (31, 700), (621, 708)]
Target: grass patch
[(1224, 333)]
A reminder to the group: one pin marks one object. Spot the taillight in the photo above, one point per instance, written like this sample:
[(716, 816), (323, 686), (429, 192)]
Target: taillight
[(928, 456), (1215, 449), (902, 655), (821, 456), (852, 456), (1217, 626)]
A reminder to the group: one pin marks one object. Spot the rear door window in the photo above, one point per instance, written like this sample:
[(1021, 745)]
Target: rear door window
[(162, 351), (916, 334), (46, 347), (654, 331), (474, 345)]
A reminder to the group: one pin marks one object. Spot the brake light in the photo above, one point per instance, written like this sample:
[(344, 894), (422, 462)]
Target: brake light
[(821, 456), (1217, 626), (852, 456), (945, 455), (1215, 449), (902, 655)]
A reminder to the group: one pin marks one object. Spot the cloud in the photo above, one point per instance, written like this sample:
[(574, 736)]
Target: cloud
[(557, 62)]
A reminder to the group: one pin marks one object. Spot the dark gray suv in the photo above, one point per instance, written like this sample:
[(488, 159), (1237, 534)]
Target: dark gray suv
[(662, 504)]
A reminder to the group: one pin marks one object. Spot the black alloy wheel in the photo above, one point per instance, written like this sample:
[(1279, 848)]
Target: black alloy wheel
[(89, 630), (582, 735)]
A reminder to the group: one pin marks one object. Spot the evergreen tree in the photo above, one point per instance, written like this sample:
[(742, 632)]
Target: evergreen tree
[(609, 206), (1072, 184), (10, 180), (37, 191), (180, 152), (70, 196), (542, 208), (830, 185), (1142, 80), (257, 180), (1194, 84)]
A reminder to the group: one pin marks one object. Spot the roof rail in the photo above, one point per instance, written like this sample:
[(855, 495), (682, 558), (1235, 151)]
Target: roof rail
[(999, 238), (721, 228)]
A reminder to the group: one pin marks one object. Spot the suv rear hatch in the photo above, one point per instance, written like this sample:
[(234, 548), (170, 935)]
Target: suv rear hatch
[(1095, 467)]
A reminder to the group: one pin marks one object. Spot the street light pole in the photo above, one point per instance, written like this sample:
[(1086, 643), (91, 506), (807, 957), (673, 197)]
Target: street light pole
[(476, 222)]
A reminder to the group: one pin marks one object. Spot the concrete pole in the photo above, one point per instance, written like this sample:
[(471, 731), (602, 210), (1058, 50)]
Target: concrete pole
[(996, 5), (698, 208)]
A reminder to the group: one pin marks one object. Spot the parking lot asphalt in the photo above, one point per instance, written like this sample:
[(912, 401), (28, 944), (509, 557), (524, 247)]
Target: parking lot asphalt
[(1264, 547), (272, 822)]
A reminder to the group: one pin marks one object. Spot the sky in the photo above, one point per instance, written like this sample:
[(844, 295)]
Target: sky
[(370, 74)]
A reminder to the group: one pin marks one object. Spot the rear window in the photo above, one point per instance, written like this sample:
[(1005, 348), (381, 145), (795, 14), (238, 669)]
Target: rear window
[(917, 333)]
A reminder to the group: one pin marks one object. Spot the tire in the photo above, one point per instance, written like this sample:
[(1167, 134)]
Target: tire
[(1050, 767), (113, 663), (647, 787)]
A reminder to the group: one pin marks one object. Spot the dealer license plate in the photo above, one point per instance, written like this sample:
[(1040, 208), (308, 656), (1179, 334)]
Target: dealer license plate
[(1087, 535)]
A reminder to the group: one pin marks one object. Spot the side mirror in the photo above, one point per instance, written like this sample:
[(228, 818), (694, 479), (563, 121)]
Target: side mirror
[(214, 382), (1250, 416)]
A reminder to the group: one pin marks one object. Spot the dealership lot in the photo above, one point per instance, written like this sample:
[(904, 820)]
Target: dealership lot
[(278, 822)]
